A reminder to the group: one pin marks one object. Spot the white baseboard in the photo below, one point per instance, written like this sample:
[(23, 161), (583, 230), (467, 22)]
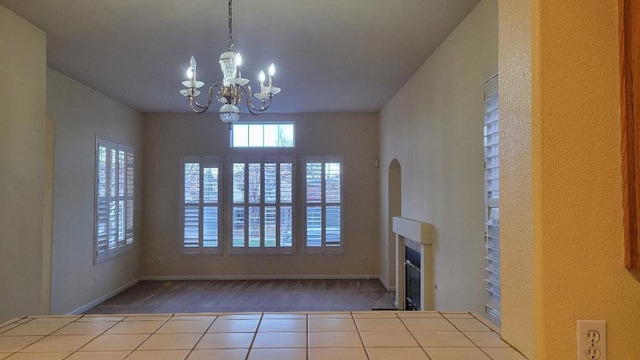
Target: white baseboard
[(387, 286), (258, 277), (101, 299)]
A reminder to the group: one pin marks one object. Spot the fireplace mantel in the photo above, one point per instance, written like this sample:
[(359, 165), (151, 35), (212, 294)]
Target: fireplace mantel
[(422, 234)]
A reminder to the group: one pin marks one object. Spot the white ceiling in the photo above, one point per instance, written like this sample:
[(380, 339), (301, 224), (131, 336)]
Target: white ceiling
[(331, 55)]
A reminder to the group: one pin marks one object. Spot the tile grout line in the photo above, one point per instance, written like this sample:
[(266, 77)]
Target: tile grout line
[(414, 337), (364, 347)]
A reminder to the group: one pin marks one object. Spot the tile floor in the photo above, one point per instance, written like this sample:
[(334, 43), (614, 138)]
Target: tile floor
[(374, 335)]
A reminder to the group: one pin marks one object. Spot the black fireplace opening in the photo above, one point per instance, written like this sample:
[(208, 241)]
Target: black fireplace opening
[(412, 278)]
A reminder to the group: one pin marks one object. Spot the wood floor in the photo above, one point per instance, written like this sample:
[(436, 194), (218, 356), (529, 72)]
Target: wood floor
[(149, 297)]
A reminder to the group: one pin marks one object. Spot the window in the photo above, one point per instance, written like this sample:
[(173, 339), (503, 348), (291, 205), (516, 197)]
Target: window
[(200, 205), (323, 204), (492, 195), (262, 135), (114, 199), (262, 204)]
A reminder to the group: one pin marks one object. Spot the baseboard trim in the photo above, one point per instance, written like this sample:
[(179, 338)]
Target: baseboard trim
[(386, 286), (103, 298), (259, 277)]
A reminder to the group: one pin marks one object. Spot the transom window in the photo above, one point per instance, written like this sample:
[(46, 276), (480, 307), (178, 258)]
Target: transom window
[(114, 199), (262, 204), (323, 204), (262, 135), (200, 205)]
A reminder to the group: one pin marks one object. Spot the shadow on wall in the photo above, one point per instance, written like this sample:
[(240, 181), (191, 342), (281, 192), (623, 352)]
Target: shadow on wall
[(395, 209)]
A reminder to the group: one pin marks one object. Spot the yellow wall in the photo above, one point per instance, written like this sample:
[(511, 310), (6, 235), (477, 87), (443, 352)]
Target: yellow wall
[(22, 165), (516, 203), (578, 234)]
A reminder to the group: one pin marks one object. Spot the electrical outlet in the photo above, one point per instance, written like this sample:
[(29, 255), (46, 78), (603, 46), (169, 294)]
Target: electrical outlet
[(592, 339)]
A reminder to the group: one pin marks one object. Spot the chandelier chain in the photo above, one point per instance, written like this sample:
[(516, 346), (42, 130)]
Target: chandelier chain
[(230, 39)]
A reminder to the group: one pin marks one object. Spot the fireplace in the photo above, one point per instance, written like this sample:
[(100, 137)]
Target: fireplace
[(412, 278), (414, 264)]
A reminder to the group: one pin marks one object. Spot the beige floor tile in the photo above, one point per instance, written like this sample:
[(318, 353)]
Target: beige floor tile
[(8, 327), (36, 328), (184, 327), (380, 325), (277, 354), (504, 354), (226, 341), (442, 338), (330, 324), (283, 316), (99, 355), (486, 339), (337, 354), (5, 355), (159, 355), (336, 315), (16, 343), (54, 318), (249, 316), (389, 353), (110, 318), (388, 338), (283, 325), (135, 327), (219, 354), (427, 324), (280, 340), (148, 317), (334, 339), (455, 353), (85, 328), (40, 356), (203, 317), (457, 315), (233, 325), (375, 315), (59, 343), (469, 325), (419, 314), (115, 342), (170, 342)]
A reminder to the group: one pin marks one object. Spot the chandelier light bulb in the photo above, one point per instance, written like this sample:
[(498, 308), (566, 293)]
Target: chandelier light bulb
[(192, 63), (272, 70), (190, 74), (261, 77), (238, 59)]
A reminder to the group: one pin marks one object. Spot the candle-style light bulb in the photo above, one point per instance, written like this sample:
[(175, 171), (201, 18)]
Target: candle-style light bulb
[(238, 64), (272, 71), (261, 77), (191, 72)]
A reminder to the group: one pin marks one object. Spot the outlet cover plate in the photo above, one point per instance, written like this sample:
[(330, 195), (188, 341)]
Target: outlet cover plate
[(592, 340)]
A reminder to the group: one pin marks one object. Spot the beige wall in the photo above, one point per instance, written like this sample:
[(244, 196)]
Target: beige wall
[(433, 126), (22, 164), (79, 114), (516, 204), (578, 231), (167, 137)]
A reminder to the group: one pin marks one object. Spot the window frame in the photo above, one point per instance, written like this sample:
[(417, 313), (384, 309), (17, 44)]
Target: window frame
[(264, 123), (204, 161), (262, 159), (323, 248), (122, 246)]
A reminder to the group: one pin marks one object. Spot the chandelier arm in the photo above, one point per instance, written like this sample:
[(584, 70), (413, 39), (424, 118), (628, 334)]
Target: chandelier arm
[(249, 101), (195, 105)]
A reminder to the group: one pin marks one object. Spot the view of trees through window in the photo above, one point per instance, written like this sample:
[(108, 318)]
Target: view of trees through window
[(263, 135), (262, 214)]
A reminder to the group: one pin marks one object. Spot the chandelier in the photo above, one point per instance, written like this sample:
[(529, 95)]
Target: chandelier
[(233, 87)]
